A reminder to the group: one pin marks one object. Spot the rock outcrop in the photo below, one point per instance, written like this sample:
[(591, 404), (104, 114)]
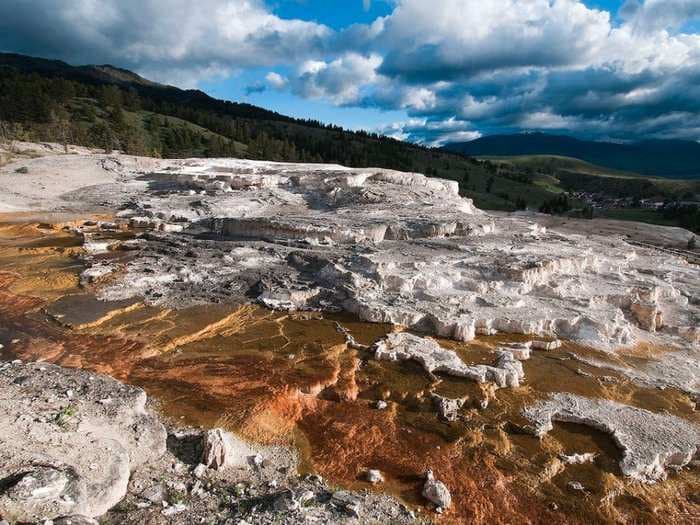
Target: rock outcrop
[(436, 491), (650, 442), (390, 247), (402, 346), (70, 440)]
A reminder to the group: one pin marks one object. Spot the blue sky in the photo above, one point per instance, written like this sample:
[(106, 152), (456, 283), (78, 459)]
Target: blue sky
[(429, 71), (328, 13), (334, 14)]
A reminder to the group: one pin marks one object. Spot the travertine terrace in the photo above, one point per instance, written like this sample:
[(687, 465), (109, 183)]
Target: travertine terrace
[(389, 247), (396, 327)]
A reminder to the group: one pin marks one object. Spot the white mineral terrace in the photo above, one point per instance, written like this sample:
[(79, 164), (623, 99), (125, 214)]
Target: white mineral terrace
[(649, 442), (396, 248), (393, 247)]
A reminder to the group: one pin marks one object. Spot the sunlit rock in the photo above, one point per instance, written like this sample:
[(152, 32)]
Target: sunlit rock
[(436, 491), (650, 442), (402, 346), (64, 455), (389, 247)]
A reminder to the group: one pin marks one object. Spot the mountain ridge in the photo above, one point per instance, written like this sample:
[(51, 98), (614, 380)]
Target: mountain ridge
[(667, 158)]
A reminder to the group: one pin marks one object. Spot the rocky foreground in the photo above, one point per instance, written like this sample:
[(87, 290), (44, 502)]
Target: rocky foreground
[(509, 356), (77, 445)]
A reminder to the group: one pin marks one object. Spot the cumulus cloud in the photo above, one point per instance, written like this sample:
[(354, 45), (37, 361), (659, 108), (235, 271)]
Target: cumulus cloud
[(276, 80), (173, 40), (454, 39), (509, 65), (455, 67), (339, 80), (430, 132), (659, 14)]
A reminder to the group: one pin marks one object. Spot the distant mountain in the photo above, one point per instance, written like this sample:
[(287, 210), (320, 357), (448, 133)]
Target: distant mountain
[(659, 158)]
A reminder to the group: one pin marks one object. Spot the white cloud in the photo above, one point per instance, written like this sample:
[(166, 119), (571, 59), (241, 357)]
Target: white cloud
[(653, 15), (545, 64), (339, 80), (174, 39), (430, 132), (461, 38), (276, 80), (492, 65)]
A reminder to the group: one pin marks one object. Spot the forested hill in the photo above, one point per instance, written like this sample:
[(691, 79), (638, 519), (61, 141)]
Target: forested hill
[(660, 158), (110, 75), (115, 109)]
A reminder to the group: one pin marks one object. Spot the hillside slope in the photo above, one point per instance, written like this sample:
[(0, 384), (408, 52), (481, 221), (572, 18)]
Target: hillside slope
[(661, 158), (114, 109), (111, 108)]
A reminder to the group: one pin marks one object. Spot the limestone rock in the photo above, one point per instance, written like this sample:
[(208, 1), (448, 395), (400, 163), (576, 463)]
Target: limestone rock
[(391, 247), (223, 449), (433, 358), (546, 345), (513, 367), (576, 486), (216, 451), (375, 476), (200, 470), (448, 409), (39, 484), (520, 351), (649, 442), (436, 492), (155, 494), (348, 502), (76, 457), (578, 459)]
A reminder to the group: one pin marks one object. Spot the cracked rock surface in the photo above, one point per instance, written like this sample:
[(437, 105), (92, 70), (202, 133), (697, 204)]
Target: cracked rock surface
[(389, 247), (107, 457)]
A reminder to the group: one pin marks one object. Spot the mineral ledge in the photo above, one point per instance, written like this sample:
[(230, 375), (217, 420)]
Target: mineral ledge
[(389, 247)]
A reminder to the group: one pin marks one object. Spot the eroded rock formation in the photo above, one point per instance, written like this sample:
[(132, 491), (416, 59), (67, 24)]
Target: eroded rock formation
[(403, 346), (356, 397), (390, 247), (650, 442)]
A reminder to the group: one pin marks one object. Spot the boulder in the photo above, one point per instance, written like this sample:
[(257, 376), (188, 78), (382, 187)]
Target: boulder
[(216, 451), (436, 492), (70, 455), (375, 476), (223, 449), (447, 408)]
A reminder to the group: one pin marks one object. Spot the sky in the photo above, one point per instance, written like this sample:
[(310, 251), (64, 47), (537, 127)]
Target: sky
[(428, 71)]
